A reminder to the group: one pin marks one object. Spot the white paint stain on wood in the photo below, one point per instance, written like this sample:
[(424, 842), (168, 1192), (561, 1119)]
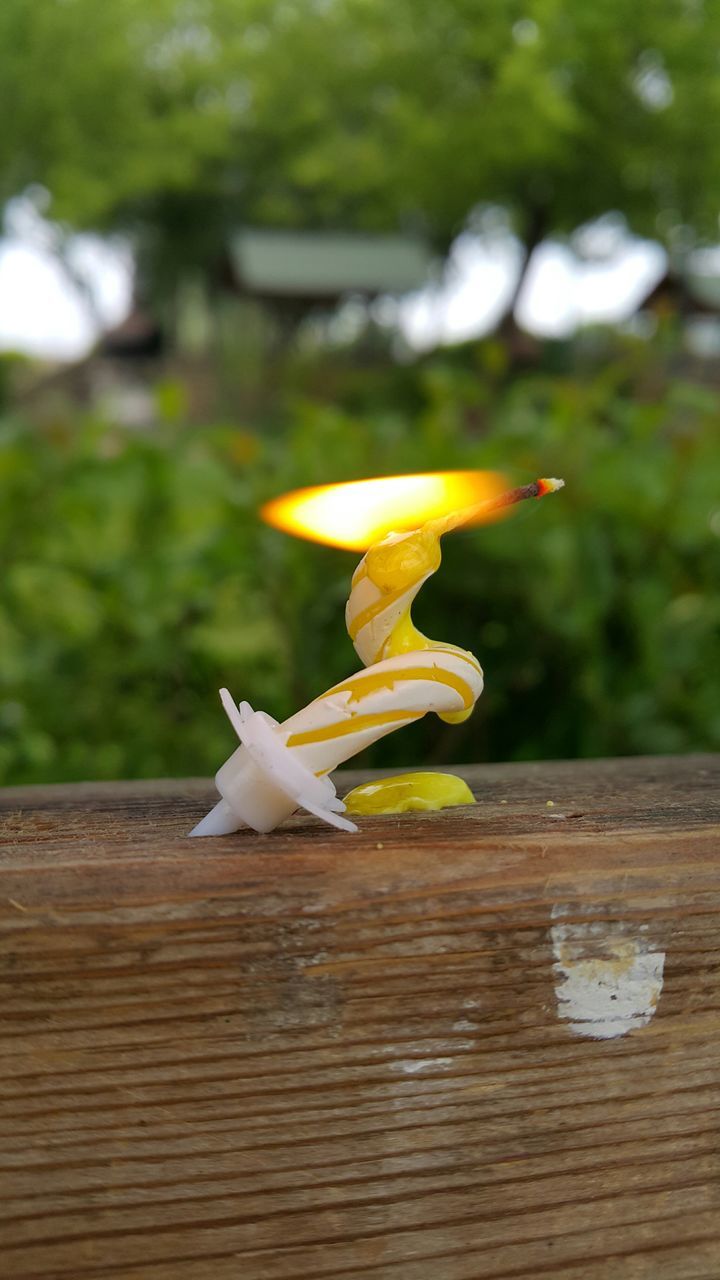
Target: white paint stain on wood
[(608, 977), (464, 1024), (413, 1065)]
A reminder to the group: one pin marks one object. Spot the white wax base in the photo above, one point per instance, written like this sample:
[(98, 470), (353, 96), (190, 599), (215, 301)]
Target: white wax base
[(262, 782), (248, 799)]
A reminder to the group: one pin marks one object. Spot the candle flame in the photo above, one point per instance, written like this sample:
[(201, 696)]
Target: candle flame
[(358, 513)]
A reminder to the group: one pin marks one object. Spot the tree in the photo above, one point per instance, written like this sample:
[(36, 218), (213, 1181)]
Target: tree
[(178, 118)]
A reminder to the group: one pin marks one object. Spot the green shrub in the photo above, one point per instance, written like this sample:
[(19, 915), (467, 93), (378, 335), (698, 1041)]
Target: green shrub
[(137, 578)]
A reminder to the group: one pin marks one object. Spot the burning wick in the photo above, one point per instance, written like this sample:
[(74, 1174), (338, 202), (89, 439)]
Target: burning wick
[(280, 767), (538, 489)]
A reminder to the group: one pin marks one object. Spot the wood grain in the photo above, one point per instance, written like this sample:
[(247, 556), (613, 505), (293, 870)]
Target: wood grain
[(308, 1055)]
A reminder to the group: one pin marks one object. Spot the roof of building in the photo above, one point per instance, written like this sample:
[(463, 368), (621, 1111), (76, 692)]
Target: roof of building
[(327, 264)]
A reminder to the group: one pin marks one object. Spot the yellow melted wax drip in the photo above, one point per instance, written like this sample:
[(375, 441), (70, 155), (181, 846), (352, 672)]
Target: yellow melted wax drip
[(394, 567), (408, 791)]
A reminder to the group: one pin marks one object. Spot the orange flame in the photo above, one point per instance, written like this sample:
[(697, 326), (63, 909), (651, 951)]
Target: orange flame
[(358, 513)]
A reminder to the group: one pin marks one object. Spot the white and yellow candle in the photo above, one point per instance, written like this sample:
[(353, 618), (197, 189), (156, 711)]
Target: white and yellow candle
[(279, 767)]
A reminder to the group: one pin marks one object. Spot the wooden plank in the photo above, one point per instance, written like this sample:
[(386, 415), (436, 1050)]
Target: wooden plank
[(480, 1043)]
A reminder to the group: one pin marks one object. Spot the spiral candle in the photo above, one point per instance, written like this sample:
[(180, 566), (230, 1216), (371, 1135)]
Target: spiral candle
[(406, 675)]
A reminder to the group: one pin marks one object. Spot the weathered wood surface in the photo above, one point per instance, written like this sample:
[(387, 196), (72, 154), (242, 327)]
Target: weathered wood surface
[(460, 1046)]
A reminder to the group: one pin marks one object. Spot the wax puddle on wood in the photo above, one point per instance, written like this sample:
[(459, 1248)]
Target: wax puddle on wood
[(608, 975)]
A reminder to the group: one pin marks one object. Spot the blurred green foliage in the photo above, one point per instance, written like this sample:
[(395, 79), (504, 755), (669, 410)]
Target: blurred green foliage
[(138, 579)]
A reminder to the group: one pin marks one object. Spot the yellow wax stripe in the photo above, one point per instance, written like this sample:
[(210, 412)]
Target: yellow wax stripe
[(361, 620), (458, 653), (362, 685), (430, 646), (356, 724)]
